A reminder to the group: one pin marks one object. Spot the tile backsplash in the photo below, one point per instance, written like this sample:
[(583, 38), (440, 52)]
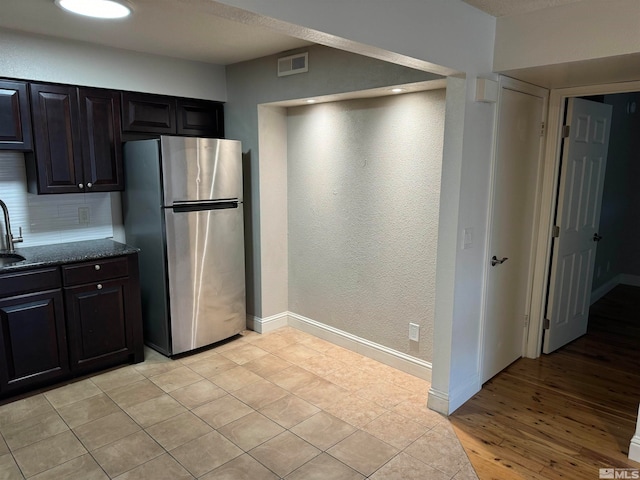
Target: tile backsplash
[(47, 219)]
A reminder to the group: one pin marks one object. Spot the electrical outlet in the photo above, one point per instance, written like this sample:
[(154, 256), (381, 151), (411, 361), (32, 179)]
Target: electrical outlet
[(414, 332), (83, 215)]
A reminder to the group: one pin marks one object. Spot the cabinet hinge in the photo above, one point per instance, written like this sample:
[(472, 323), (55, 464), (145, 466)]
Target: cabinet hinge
[(543, 127), (526, 321), (566, 129), (546, 323), (555, 232)]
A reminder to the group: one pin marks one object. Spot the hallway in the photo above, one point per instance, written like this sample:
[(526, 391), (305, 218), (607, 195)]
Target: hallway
[(566, 414)]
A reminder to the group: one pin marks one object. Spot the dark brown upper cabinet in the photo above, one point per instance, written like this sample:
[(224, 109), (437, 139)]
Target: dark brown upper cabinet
[(145, 113), (200, 118), (77, 140), (101, 139), (148, 113), (15, 117)]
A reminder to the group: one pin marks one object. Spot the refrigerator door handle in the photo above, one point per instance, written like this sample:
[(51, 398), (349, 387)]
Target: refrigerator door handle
[(193, 206)]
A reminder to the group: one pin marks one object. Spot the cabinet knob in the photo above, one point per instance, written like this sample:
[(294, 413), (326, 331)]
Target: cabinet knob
[(99, 286), (97, 267), (89, 185), (80, 186)]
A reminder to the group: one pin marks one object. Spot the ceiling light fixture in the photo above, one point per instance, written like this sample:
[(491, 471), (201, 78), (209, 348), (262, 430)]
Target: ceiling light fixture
[(397, 90), (96, 8), (311, 100)]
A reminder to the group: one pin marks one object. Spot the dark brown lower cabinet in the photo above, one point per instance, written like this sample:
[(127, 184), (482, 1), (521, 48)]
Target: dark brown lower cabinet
[(34, 345), (99, 334), (102, 301), (60, 322)]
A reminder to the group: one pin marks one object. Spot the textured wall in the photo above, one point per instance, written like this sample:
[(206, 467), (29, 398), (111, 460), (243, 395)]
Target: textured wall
[(364, 187), (253, 83)]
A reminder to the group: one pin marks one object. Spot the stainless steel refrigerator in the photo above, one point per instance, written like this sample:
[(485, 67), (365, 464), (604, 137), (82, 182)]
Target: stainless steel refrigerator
[(182, 207)]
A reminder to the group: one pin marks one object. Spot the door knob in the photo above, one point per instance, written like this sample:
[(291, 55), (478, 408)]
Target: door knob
[(495, 261), (596, 237)]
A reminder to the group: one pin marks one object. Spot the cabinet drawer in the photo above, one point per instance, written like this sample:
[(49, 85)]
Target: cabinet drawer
[(18, 283), (94, 271)]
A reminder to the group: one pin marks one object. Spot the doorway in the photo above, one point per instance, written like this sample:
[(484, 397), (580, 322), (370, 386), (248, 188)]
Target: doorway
[(549, 201)]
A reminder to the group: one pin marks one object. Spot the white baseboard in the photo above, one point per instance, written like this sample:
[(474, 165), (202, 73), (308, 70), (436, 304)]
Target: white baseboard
[(438, 401), (620, 279), (447, 403), (382, 354), (634, 449), (393, 358), (267, 324), (627, 279), (602, 290), (466, 389)]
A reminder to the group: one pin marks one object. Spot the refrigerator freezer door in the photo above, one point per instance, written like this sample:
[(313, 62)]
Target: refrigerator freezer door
[(205, 259), (200, 169)]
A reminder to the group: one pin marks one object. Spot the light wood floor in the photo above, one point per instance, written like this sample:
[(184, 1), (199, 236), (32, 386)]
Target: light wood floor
[(563, 415)]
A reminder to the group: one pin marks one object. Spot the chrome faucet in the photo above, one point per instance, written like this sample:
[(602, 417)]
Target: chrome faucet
[(9, 236)]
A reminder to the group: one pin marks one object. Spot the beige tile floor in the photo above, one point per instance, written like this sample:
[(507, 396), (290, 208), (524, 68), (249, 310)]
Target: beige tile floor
[(285, 405)]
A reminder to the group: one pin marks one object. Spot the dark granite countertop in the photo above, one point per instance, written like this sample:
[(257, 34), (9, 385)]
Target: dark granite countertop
[(57, 254)]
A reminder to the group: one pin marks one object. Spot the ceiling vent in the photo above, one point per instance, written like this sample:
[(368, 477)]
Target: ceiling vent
[(298, 63)]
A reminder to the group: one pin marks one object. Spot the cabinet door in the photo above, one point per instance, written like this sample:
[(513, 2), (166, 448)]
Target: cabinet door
[(200, 118), (101, 139), (148, 113), (15, 117), (56, 166), (33, 339), (99, 334)]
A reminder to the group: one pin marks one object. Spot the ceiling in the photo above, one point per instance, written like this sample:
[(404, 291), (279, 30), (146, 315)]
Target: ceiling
[(174, 28), (501, 8), (192, 29)]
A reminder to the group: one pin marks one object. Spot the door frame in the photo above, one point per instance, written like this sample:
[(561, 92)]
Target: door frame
[(534, 90), (549, 198)]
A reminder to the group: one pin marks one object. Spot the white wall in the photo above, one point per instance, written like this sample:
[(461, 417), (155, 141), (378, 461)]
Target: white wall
[(272, 136), (578, 31), (364, 188), (50, 59), (464, 203)]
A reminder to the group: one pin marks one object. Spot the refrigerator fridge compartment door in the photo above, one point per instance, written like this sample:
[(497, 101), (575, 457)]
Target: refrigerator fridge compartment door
[(205, 261), (196, 169)]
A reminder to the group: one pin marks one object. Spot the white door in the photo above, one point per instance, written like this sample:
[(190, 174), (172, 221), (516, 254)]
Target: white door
[(584, 160), (518, 152)]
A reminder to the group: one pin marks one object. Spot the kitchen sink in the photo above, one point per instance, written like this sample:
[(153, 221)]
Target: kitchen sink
[(9, 258)]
